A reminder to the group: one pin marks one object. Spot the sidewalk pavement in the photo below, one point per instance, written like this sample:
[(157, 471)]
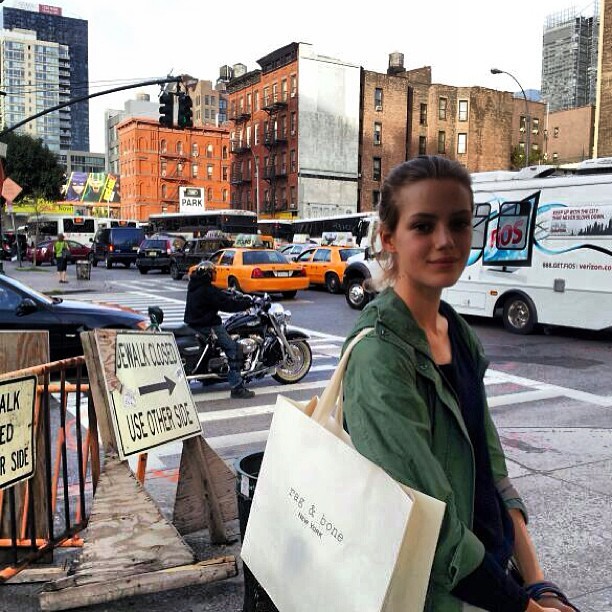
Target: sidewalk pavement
[(45, 279)]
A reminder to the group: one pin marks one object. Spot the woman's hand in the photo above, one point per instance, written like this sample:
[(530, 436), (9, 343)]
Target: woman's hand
[(553, 603), (542, 606)]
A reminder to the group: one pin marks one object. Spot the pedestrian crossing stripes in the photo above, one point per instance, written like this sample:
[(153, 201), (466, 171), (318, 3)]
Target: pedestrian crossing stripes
[(232, 430)]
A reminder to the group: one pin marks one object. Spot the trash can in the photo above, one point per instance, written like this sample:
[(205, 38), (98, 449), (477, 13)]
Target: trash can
[(83, 269), (247, 471)]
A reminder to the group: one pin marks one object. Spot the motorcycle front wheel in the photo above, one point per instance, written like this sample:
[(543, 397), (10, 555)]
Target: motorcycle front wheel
[(296, 366)]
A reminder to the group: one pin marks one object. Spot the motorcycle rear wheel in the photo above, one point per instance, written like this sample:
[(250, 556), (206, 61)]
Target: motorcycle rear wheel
[(294, 369)]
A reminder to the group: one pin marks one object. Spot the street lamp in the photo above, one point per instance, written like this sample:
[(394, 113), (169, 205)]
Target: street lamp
[(527, 122)]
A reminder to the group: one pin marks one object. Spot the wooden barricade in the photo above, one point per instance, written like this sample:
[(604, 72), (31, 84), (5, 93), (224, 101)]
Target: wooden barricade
[(130, 548)]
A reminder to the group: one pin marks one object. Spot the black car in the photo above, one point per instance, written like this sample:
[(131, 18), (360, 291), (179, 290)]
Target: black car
[(116, 245), (193, 252), (24, 308), (154, 253)]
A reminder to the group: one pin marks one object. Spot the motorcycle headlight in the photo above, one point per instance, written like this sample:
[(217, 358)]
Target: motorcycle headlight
[(279, 313)]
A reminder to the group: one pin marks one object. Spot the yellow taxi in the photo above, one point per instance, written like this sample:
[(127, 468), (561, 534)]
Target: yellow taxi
[(257, 271), (325, 265)]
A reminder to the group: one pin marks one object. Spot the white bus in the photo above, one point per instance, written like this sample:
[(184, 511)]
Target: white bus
[(195, 225), (74, 227), (320, 229), (547, 254)]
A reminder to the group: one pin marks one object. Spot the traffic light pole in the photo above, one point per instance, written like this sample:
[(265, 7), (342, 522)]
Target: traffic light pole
[(88, 97), (70, 103)]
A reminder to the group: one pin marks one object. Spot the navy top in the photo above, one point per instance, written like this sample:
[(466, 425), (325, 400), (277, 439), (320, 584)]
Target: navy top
[(489, 586)]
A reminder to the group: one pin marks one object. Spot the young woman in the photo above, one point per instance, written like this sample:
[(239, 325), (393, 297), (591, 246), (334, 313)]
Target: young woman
[(60, 252), (415, 403)]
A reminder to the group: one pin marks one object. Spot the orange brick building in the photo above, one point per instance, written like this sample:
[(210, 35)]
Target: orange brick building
[(156, 161)]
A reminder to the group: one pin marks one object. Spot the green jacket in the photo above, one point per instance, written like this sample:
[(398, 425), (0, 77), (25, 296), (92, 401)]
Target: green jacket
[(403, 416)]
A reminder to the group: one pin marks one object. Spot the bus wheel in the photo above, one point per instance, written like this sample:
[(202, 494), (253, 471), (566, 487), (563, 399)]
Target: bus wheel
[(520, 315), (332, 283)]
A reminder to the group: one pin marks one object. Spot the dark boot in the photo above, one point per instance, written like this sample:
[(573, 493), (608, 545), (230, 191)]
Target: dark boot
[(241, 393)]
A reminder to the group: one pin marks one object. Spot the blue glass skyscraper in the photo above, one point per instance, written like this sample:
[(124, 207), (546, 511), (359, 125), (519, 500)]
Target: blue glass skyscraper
[(50, 25)]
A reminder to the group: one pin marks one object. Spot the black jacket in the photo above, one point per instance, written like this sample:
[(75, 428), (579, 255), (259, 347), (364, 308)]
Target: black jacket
[(204, 301)]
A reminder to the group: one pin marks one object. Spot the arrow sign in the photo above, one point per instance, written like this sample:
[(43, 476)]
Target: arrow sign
[(167, 384)]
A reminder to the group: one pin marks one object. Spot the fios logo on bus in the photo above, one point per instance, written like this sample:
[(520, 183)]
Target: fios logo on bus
[(511, 235)]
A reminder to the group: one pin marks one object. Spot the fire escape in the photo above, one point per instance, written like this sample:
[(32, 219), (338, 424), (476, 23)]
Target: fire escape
[(275, 140), (240, 173), (174, 170)]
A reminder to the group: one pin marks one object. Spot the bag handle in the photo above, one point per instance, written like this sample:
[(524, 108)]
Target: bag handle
[(329, 399)]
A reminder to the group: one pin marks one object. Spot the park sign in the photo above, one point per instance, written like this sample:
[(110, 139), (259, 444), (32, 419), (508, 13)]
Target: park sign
[(17, 401), (149, 397), (191, 199)]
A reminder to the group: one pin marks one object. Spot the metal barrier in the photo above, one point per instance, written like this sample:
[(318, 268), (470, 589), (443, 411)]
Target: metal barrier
[(50, 509)]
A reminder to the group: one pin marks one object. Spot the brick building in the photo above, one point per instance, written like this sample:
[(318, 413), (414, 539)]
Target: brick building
[(155, 161), (295, 135), (404, 114), (570, 135), (603, 106)]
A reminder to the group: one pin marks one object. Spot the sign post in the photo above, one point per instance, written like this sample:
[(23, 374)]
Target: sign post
[(191, 199), (149, 396)]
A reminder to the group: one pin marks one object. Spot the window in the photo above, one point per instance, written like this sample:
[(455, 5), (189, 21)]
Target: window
[(206, 100), (179, 168), (376, 168), (194, 149), (284, 95), (522, 123), (442, 104), (378, 98), (227, 259), (194, 170), (556, 132), (293, 124), (224, 153), (293, 85), (209, 171), (441, 142), (375, 197), (224, 195), (209, 151), (377, 133), (179, 147), (209, 194), (322, 255), (422, 145), (292, 194), (224, 173), (292, 160), (256, 102), (164, 168), (461, 144), (423, 114), (535, 126), (164, 190), (256, 133), (249, 102), (163, 146), (463, 110)]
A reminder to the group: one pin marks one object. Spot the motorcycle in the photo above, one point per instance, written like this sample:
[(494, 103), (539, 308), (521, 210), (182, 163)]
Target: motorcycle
[(266, 345)]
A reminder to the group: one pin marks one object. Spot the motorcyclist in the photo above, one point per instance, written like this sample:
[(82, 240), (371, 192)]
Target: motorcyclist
[(204, 301)]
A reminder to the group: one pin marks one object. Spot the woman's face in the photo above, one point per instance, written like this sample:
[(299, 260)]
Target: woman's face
[(433, 236)]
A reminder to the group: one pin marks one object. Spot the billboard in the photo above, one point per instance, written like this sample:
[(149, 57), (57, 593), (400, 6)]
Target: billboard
[(91, 187)]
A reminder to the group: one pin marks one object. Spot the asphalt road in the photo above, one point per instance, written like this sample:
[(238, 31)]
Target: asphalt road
[(550, 395)]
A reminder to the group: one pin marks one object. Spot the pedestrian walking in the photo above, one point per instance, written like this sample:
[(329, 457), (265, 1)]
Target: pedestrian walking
[(61, 253), (415, 402)]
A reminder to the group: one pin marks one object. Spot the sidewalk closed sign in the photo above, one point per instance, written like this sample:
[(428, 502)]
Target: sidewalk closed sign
[(17, 399), (191, 199), (149, 396)]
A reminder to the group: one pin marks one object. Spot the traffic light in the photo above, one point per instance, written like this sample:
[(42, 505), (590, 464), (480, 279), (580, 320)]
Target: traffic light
[(166, 109), (185, 114)]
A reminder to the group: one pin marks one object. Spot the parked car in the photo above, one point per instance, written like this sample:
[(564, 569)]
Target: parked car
[(154, 253), (45, 252), (193, 252), (325, 265), (22, 307), (293, 250), (258, 271), (116, 245)]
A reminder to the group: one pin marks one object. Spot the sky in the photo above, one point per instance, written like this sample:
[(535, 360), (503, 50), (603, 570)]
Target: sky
[(131, 40)]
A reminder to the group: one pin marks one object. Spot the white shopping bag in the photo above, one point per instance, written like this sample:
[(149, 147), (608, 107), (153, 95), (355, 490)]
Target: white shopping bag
[(329, 530)]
